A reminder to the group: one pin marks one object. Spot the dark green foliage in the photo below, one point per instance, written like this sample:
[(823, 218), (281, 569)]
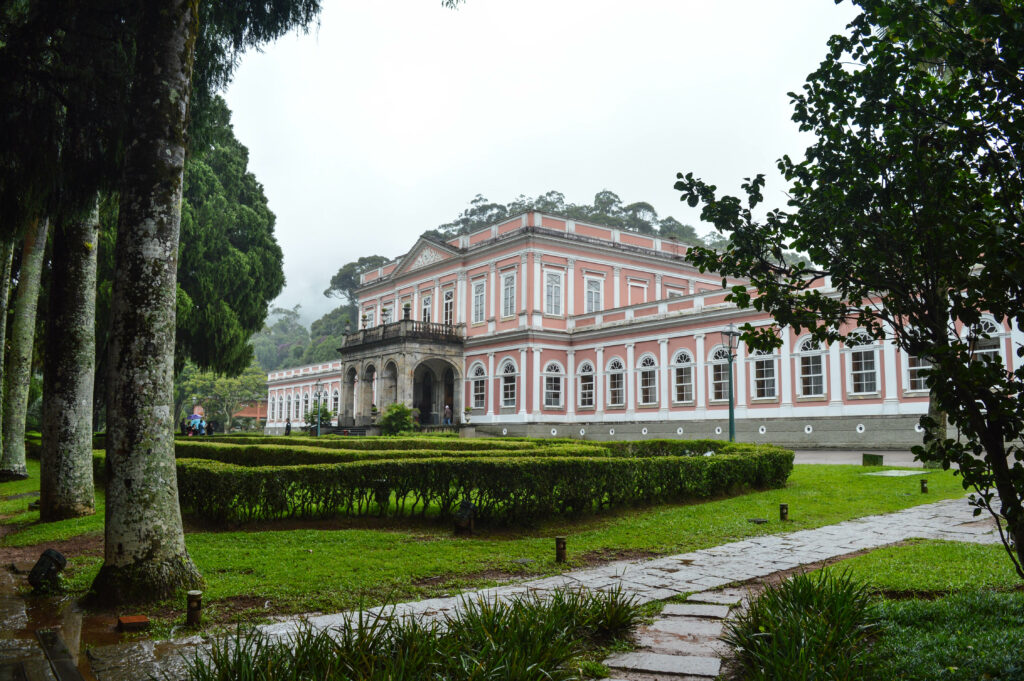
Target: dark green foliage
[(282, 342), (526, 639), (345, 283), (808, 627), (962, 637), (310, 418), (387, 443), (521, 488), (397, 418)]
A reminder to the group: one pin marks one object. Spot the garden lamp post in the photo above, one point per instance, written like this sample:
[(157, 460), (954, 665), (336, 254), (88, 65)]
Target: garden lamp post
[(731, 339), (318, 394)]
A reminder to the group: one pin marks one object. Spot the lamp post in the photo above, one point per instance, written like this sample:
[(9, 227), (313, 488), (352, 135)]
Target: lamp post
[(731, 340), (318, 394)]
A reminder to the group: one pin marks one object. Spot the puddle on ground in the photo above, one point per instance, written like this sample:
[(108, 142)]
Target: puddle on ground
[(22, 613)]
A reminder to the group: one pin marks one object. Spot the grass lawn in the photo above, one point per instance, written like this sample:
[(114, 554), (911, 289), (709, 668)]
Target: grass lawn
[(947, 611), (344, 563)]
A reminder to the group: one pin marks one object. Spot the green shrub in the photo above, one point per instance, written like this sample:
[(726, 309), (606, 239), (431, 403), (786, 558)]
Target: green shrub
[(506, 489), (397, 418), (526, 639), (808, 627), (420, 441)]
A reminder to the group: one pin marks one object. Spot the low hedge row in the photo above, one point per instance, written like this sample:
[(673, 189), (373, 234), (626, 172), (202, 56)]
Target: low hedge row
[(503, 489), (279, 455), (382, 443)]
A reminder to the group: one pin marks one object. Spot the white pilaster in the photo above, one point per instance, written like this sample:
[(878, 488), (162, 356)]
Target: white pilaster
[(599, 385), (535, 375), (786, 369), (741, 374), (521, 391), (889, 372), (435, 302), (460, 299), (630, 375), (570, 286), (835, 381), (616, 285), (570, 384), (698, 373), (493, 314), (490, 383), (663, 385), (536, 283)]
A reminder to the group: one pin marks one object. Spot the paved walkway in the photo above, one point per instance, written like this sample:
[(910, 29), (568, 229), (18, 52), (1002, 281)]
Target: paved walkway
[(682, 644)]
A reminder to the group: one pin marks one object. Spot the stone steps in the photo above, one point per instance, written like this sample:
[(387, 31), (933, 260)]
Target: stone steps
[(683, 643)]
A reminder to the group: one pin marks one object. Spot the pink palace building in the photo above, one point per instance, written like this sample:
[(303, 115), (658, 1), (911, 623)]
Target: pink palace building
[(547, 326)]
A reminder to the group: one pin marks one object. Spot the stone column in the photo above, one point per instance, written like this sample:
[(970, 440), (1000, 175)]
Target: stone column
[(521, 388), (537, 286), (599, 385), (616, 286), (657, 287), (460, 299), (523, 288), (570, 287), (435, 302), (494, 295), (630, 387)]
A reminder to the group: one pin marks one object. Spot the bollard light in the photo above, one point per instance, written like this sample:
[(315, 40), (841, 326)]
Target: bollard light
[(559, 549), (783, 511), (924, 486), (194, 608)]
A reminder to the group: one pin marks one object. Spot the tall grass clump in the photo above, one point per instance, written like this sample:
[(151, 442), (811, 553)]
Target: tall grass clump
[(526, 639), (813, 626)]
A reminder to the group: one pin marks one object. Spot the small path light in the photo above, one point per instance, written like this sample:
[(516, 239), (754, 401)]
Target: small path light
[(44, 573), (924, 486), (559, 549), (783, 511), (194, 608)]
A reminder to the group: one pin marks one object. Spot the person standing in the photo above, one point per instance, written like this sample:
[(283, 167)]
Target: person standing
[(447, 414), (288, 426)]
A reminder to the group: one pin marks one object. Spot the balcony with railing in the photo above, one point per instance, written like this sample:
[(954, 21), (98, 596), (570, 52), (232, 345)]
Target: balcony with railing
[(405, 329)]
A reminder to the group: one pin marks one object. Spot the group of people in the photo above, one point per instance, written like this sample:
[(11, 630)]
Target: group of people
[(196, 425)]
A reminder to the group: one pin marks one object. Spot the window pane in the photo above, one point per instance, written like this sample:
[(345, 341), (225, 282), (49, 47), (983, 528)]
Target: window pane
[(684, 384)]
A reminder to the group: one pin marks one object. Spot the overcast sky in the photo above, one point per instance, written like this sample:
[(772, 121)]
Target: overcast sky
[(392, 115)]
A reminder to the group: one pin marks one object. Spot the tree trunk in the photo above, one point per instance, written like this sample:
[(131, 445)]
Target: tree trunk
[(6, 255), (938, 432), (19, 360), (145, 558), (66, 486)]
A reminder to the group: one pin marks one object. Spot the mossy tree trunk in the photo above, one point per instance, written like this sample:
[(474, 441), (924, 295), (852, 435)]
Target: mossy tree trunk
[(6, 256), (145, 558), (66, 487), (19, 360)]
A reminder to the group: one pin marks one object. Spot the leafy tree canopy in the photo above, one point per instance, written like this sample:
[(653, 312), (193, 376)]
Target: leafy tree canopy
[(910, 202), (282, 341), (346, 281), (220, 396)]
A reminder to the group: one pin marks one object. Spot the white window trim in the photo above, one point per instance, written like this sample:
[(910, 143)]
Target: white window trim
[(640, 369), (752, 361), (586, 293), (712, 363), (504, 276), (426, 307), (608, 373), (999, 336), (473, 378), (848, 351), (502, 365), (445, 299), (821, 353), (546, 374), (688, 364), (561, 291), (907, 388), (593, 385), (481, 283)]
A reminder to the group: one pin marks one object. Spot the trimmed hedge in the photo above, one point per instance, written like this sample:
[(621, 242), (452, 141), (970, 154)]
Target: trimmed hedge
[(377, 443), (503, 489)]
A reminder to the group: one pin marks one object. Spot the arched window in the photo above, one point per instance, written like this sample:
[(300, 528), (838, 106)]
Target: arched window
[(479, 377), (616, 383), (811, 381), (648, 380), (863, 369), (428, 302), (986, 340), (273, 405), (553, 385), (682, 369), (720, 374), (508, 384), (762, 366), (586, 384), (335, 402), (291, 406), (305, 404)]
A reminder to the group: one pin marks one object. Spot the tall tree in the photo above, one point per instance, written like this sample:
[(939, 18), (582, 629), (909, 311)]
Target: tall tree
[(19, 361), (222, 396), (66, 484), (909, 200), (283, 342), (345, 283)]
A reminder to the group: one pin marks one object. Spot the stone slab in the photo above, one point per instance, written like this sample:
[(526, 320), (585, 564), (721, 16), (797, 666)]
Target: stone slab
[(896, 474), (692, 628), (659, 663), (726, 597), (695, 610)]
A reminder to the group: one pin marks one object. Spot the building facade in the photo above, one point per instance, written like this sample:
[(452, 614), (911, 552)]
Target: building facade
[(543, 325)]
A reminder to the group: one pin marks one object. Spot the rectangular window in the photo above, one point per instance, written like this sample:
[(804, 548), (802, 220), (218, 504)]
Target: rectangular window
[(552, 391), (427, 306), (812, 377), (479, 393), (684, 384), (479, 301), (862, 369), (508, 295), (914, 367), (648, 386), (764, 379), (720, 381), (587, 390), (593, 296), (616, 390), (553, 293), (508, 390), (448, 311)]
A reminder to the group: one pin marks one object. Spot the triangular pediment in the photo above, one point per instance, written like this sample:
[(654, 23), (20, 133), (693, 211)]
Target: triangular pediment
[(426, 252)]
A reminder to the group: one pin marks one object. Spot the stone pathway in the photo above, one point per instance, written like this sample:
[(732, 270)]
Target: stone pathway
[(682, 644)]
